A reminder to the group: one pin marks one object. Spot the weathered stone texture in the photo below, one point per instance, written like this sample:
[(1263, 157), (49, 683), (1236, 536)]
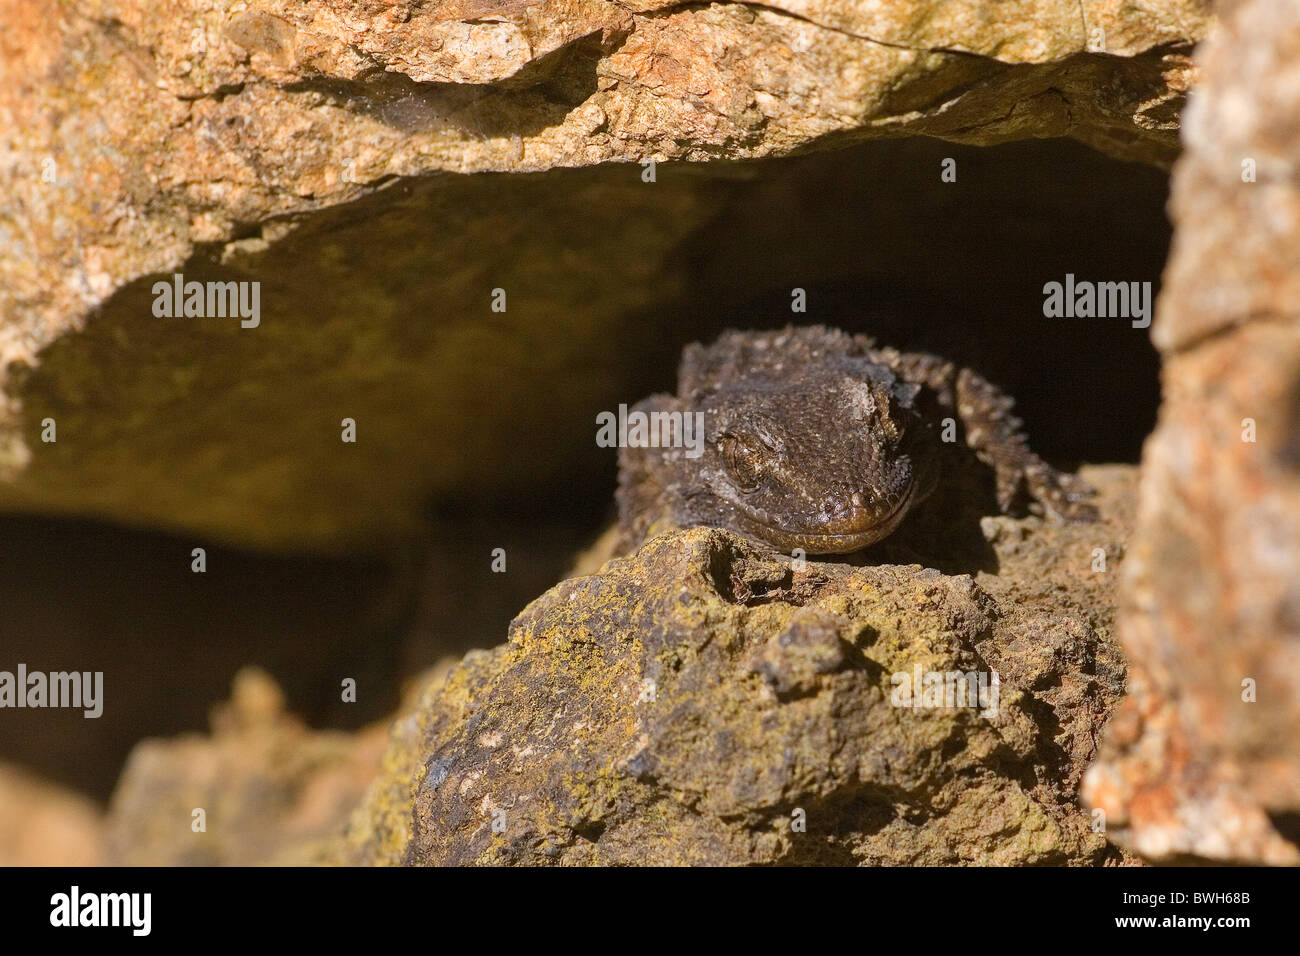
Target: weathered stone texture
[(688, 703), (136, 138), (1203, 760)]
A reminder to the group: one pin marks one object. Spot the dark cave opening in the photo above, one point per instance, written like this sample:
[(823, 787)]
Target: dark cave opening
[(882, 247)]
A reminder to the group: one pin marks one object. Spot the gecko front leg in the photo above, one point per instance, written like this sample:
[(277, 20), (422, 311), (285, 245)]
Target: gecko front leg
[(996, 437), (994, 434)]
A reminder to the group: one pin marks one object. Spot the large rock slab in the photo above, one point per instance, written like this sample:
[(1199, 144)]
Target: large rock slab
[(706, 701), (1202, 761), (209, 138)]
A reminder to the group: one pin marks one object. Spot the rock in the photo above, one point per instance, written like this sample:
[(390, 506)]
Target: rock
[(43, 824), (240, 142), (271, 790), (1201, 761), (370, 317), (169, 642), (704, 701)]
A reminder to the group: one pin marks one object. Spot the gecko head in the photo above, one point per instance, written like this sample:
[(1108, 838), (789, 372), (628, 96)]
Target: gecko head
[(830, 464)]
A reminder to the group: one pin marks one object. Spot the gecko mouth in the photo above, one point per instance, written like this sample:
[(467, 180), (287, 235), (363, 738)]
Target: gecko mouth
[(859, 534)]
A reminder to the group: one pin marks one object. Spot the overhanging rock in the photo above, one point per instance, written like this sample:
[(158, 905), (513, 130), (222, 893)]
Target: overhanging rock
[(137, 144)]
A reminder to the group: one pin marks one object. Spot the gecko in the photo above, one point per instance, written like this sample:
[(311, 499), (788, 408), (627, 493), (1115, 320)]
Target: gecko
[(820, 440)]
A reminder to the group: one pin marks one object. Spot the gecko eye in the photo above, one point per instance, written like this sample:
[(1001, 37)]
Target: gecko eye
[(743, 462)]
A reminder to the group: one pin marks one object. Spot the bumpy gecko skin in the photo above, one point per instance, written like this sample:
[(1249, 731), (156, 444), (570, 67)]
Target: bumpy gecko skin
[(819, 440)]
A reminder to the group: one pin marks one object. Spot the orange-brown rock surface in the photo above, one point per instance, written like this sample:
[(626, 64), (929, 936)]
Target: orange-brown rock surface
[(1203, 759), (42, 824), (263, 788)]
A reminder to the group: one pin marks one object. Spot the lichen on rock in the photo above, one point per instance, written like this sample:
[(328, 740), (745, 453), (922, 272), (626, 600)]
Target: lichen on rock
[(707, 701)]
